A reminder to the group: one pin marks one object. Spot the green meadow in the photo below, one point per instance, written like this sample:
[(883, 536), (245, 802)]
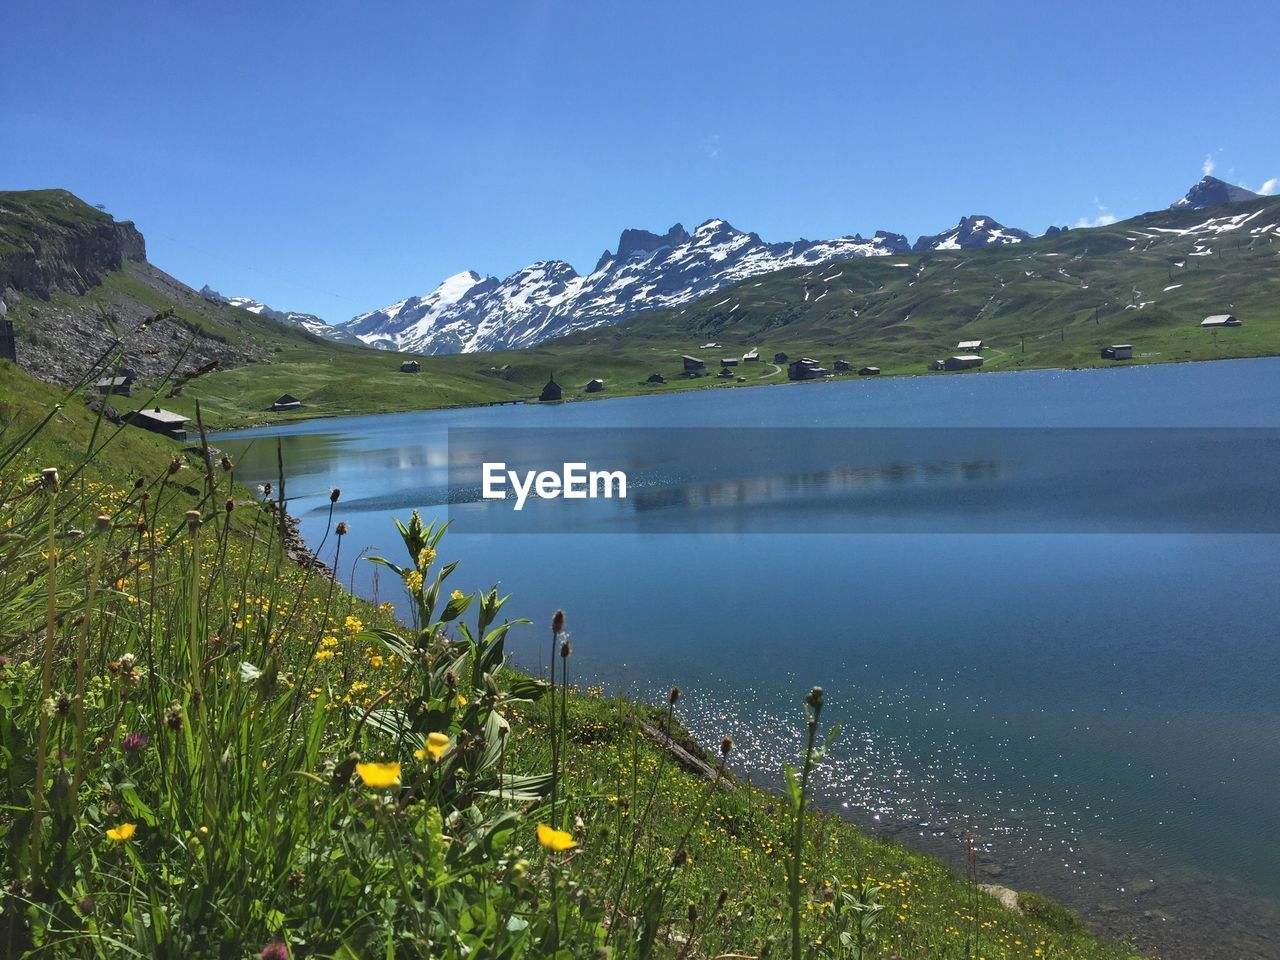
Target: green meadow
[(214, 751)]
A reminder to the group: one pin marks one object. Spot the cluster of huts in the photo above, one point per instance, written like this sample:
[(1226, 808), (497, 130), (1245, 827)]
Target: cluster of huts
[(553, 391), (969, 357)]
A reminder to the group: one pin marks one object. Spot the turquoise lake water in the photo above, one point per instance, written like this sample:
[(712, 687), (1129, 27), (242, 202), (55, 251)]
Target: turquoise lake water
[(1102, 710)]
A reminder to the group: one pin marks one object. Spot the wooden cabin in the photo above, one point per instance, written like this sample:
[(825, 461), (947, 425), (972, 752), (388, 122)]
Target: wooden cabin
[(1118, 351), (869, 372), (693, 367), (965, 361), (595, 386), (779, 357), (969, 346), (843, 366), (286, 402), (166, 422), (751, 356), (551, 392), (806, 368), (1222, 320), (411, 366)]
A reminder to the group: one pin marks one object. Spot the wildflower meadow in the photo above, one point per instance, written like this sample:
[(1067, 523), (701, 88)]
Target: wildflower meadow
[(211, 749)]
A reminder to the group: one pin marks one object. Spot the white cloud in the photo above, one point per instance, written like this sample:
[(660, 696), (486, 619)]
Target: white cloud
[(1207, 167), (1104, 217), (1271, 187)]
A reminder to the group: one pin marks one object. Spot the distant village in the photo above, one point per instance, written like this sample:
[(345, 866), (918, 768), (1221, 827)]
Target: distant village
[(968, 356)]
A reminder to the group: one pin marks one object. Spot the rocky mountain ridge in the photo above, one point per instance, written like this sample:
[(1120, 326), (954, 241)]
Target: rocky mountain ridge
[(468, 313), (1212, 192), (304, 321)]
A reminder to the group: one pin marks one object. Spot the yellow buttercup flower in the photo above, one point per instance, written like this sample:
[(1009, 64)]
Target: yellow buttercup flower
[(123, 832), (379, 776), (460, 700), (553, 839), (435, 746), (353, 625)]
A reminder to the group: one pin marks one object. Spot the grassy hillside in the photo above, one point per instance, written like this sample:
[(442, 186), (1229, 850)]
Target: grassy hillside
[(1052, 302), (210, 752)]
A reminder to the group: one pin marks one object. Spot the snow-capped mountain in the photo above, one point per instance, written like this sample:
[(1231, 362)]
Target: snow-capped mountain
[(468, 313), (1210, 192), (971, 233), (307, 321)]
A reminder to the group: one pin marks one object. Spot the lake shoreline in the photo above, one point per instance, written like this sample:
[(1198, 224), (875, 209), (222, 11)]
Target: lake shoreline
[(1127, 811), (722, 385)]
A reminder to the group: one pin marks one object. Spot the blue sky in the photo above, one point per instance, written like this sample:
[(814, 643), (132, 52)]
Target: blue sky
[(335, 157)]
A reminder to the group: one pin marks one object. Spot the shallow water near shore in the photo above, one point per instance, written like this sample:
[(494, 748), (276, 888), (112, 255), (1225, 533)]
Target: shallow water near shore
[(1099, 710)]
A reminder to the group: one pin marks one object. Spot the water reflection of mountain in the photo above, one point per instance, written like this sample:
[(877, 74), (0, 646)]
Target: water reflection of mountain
[(815, 484)]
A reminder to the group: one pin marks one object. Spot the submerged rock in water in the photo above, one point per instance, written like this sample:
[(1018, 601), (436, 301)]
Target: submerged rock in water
[(1138, 887)]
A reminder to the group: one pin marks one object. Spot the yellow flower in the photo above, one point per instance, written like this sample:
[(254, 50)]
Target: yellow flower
[(461, 700), (425, 558), (435, 746), (379, 776), (413, 580), (324, 654), (457, 595), (554, 839), (353, 625), (123, 832), (375, 661)]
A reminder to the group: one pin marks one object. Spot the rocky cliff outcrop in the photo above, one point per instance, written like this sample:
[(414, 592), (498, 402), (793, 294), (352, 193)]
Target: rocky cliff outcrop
[(54, 248), (51, 242)]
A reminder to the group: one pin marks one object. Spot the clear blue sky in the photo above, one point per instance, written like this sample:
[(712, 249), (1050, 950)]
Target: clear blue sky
[(335, 157)]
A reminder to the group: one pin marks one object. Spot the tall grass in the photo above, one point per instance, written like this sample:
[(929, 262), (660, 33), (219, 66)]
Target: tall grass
[(211, 751)]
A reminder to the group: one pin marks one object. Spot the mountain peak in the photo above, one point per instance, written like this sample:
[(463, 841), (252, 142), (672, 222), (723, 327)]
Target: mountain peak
[(712, 226), (1210, 192), (642, 241), (973, 231), (458, 284)]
